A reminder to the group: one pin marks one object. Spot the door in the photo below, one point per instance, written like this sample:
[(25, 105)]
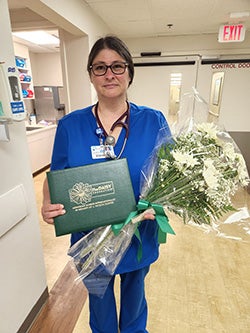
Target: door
[(153, 81)]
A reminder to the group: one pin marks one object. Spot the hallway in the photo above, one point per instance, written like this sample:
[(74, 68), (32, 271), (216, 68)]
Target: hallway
[(200, 284)]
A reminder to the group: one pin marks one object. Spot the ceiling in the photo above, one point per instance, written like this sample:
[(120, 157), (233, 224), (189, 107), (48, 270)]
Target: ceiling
[(145, 18)]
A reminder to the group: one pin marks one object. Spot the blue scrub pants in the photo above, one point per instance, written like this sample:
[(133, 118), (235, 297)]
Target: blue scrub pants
[(133, 307)]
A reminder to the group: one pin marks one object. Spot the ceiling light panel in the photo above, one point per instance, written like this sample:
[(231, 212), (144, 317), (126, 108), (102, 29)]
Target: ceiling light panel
[(37, 37)]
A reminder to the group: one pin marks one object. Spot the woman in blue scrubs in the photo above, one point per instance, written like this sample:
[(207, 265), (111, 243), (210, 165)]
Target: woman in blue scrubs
[(112, 128)]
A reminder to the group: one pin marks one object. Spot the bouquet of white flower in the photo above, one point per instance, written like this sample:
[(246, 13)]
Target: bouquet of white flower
[(195, 175)]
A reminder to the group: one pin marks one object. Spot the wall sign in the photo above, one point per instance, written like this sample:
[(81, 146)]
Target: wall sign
[(231, 33), (231, 65)]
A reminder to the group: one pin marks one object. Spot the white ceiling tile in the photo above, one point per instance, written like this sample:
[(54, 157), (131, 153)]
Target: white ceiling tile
[(134, 18)]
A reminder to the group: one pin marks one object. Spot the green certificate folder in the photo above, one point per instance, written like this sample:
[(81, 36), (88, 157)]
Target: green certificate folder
[(93, 195)]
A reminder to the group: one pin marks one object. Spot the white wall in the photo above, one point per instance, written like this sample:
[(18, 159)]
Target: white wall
[(182, 45), (235, 104), (74, 52), (46, 69), (23, 278), (75, 16)]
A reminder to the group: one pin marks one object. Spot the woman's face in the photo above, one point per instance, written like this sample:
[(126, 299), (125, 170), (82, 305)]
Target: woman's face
[(110, 85)]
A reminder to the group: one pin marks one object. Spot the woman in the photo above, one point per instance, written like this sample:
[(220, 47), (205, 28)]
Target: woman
[(112, 128)]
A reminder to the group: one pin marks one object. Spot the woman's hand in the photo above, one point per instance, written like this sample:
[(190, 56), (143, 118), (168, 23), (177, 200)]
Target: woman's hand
[(148, 216), (49, 211)]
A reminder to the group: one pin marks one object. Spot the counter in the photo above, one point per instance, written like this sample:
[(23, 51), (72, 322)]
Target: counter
[(40, 142)]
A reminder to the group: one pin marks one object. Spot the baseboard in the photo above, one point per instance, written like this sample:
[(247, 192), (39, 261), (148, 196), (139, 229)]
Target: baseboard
[(34, 312), (41, 170)]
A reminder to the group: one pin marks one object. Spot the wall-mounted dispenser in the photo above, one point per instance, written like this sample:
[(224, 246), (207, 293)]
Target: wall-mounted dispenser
[(11, 103)]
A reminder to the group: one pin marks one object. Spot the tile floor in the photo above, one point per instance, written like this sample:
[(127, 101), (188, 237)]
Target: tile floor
[(200, 284)]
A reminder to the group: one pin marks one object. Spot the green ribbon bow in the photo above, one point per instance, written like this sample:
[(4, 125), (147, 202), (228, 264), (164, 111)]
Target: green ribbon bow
[(161, 219), (118, 227)]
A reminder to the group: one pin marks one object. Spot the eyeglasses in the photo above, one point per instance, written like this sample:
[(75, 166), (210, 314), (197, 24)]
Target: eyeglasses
[(117, 68)]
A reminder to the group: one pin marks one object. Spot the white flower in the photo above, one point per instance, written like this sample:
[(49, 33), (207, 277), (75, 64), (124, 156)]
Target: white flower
[(164, 165), (209, 129), (210, 174), (210, 179), (209, 163), (242, 170), (184, 160), (228, 150)]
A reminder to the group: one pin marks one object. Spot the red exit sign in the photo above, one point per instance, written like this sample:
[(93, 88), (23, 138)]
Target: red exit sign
[(231, 33)]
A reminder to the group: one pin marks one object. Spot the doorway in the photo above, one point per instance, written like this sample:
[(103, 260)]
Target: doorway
[(162, 85)]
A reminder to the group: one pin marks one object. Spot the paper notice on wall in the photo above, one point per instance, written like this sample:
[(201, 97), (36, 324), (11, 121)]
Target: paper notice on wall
[(4, 132)]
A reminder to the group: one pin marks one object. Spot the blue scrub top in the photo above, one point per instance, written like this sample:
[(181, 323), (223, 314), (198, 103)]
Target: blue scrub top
[(76, 133)]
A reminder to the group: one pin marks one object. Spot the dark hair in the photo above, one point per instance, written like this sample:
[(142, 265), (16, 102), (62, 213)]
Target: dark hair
[(112, 43)]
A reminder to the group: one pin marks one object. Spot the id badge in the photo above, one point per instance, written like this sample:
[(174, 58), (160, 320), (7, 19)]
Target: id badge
[(102, 152)]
